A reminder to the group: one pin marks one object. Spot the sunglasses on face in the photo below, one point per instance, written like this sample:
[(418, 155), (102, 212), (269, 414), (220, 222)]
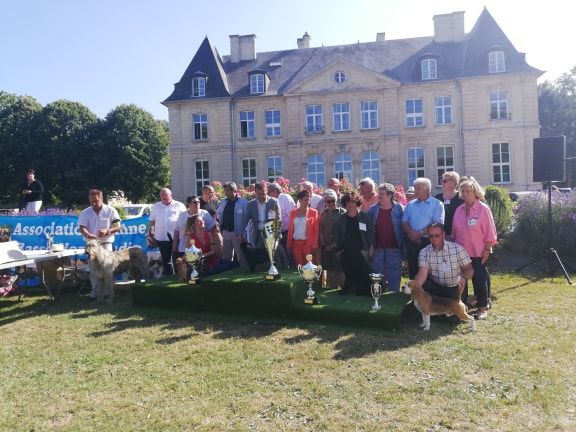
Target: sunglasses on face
[(435, 235), (330, 201)]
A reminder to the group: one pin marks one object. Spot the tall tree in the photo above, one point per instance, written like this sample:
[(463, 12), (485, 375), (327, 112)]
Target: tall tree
[(134, 152), (19, 117), (557, 111), (67, 147)]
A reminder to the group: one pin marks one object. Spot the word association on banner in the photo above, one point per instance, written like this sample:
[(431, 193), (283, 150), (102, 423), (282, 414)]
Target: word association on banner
[(33, 232)]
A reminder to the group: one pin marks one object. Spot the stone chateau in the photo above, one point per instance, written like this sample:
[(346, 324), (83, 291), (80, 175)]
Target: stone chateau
[(392, 110)]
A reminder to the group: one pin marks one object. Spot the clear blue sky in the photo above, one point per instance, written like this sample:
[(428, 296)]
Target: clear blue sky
[(104, 53)]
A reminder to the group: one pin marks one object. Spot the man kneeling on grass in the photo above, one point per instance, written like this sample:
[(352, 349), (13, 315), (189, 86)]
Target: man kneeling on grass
[(443, 266)]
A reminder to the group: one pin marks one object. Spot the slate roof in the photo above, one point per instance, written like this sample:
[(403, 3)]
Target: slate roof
[(396, 59)]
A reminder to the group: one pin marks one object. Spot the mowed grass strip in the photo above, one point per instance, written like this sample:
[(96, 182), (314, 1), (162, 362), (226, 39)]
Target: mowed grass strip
[(68, 366)]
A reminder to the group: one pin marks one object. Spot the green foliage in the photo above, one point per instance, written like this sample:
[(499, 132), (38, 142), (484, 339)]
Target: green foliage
[(531, 230), (557, 113), (19, 117), (65, 140), (72, 150), (134, 152), (502, 208)]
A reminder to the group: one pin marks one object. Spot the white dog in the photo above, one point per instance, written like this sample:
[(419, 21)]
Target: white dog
[(105, 265)]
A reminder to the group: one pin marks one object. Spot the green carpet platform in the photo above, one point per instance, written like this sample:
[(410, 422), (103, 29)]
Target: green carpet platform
[(239, 293)]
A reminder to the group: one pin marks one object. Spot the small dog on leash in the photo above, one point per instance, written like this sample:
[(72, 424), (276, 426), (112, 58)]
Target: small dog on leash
[(105, 265), (429, 305)]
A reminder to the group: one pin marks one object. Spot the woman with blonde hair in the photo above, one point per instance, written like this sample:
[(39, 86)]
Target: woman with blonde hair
[(473, 227)]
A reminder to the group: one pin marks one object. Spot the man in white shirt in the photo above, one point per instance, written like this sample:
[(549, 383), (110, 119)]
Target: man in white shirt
[(314, 198), (287, 204), (163, 218), (98, 222)]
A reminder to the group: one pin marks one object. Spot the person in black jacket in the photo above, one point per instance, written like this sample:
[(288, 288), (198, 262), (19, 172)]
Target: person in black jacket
[(32, 191), (355, 240)]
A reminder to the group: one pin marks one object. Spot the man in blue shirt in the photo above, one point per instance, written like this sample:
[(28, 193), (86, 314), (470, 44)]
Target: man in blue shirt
[(418, 215)]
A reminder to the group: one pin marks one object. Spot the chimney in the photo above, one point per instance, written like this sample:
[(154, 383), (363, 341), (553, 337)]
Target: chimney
[(449, 27), (248, 47), (304, 41), (242, 48), (234, 48), (380, 36)]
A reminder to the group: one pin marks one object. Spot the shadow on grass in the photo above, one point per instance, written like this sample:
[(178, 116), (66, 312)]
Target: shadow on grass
[(349, 342)]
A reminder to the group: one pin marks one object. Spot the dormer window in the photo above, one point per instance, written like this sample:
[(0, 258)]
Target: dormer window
[(257, 82), (496, 62), (429, 69), (198, 87)]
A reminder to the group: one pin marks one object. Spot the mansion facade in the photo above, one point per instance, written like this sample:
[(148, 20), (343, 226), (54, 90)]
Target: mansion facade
[(392, 110)]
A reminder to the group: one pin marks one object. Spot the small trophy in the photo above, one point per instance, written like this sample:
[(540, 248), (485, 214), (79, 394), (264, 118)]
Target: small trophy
[(271, 235), (310, 273), (194, 259), (376, 288)]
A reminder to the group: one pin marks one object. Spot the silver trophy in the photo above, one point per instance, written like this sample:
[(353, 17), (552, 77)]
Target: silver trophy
[(271, 235), (194, 259), (376, 288), (310, 273)]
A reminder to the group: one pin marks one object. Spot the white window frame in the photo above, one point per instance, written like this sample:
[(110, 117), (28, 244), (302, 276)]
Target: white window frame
[(341, 116), (496, 62), (443, 110), (501, 167), (247, 124), (343, 166), (444, 161), (416, 163), (274, 167), (315, 169), (202, 174), (414, 116), (248, 171), (340, 77), (257, 83), (199, 87), (429, 68), (499, 105), (272, 120), (200, 126), (314, 121), (371, 166), (369, 114)]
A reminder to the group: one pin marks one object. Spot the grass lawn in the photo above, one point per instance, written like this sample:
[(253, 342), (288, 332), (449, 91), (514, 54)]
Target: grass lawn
[(67, 366)]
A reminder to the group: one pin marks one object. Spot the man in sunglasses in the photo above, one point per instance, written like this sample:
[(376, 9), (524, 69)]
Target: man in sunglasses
[(443, 266)]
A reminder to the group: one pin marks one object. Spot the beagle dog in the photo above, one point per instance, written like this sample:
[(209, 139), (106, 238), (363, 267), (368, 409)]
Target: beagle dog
[(429, 305)]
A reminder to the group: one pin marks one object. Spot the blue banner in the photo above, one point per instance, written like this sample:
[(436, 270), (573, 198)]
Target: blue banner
[(32, 232)]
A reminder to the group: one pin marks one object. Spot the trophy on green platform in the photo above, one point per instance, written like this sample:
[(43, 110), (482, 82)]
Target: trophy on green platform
[(376, 288), (310, 273), (271, 235), (194, 259)]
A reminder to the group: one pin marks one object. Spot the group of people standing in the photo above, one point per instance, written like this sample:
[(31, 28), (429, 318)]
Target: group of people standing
[(445, 240)]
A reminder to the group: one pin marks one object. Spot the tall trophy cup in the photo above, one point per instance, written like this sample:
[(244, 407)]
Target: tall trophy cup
[(376, 288), (310, 273), (271, 235), (194, 259)]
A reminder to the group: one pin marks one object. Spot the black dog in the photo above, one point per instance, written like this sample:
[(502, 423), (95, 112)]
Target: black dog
[(254, 256)]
